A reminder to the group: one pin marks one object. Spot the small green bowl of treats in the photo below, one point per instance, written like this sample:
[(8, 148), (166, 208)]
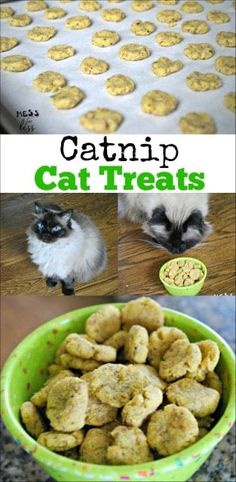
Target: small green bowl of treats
[(183, 276)]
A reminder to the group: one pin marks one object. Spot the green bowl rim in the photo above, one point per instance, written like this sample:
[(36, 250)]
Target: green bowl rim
[(186, 288), (166, 464)]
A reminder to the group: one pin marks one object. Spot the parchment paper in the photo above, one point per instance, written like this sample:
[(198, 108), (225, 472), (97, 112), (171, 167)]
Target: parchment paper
[(18, 94)]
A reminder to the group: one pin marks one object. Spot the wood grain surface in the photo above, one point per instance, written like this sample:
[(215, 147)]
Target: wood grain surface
[(139, 263), (19, 275)]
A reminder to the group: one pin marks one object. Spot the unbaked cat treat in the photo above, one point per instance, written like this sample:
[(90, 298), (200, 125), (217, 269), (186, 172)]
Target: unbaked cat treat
[(21, 20), (199, 51), (36, 5), (101, 120), (105, 38), (120, 85), (142, 28), (93, 66), (54, 13), (200, 82), (142, 5), (159, 103), (170, 17), (230, 101), (168, 39), (196, 27), (8, 43), (226, 39), (197, 123), (67, 98), (164, 66), (113, 14), (90, 5), (182, 273), (6, 12), (78, 23), (226, 65), (218, 17), (41, 34), (158, 395), (61, 52), (16, 63), (192, 7), (134, 52), (49, 81)]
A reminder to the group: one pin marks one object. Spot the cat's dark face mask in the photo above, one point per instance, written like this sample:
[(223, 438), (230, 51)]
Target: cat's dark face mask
[(175, 237), (51, 223)]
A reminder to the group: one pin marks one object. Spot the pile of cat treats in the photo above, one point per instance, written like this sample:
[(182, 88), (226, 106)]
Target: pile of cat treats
[(129, 65), (130, 386)]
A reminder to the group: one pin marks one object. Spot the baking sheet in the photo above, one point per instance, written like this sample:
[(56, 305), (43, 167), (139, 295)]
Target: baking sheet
[(18, 94)]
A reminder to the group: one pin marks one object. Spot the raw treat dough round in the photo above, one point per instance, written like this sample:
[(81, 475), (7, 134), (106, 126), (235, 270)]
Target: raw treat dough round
[(61, 52), (172, 429), (141, 28), (226, 39), (216, 16), (225, 65), (36, 5), (101, 120), (67, 98), (89, 5), (159, 103), (202, 82), (105, 38), (169, 16), (168, 39), (192, 7), (141, 5), (78, 23), (134, 52), (112, 14), (164, 66), (49, 81), (8, 43), (93, 66), (215, 2), (20, 20), (16, 63), (41, 34), (6, 12), (54, 13), (195, 27), (120, 85), (201, 51), (168, 2), (230, 101), (197, 123)]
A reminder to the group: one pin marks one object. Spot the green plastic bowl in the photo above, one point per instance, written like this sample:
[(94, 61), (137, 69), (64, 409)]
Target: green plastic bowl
[(192, 290), (26, 370)]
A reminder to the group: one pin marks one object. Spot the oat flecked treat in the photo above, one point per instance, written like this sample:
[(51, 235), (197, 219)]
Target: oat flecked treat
[(168, 2), (199, 51), (61, 52), (105, 38), (142, 28), (89, 5), (6, 12), (54, 13), (226, 39), (20, 20), (112, 14), (142, 311), (230, 101), (170, 17), (196, 27), (82, 348), (142, 5), (41, 34), (226, 65), (136, 347), (218, 17), (143, 403), (32, 419), (117, 340), (69, 361), (8, 43), (39, 399), (134, 52), (93, 66), (94, 447), (67, 98), (128, 446), (159, 103), (49, 81), (104, 323), (168, 39), (172, 429), (16, 63), (78, 23), (160, 341), (119, 85), (212, 380), (180, 359), (199, 399), (197, 123), (36, 5), (97, 413), (59, 442), (192, 7), (164, 66), (210, 357), (67, 404), (201, 82), (101, 120)]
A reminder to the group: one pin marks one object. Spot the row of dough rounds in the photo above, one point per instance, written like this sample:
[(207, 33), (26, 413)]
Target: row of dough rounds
[(154, 102)]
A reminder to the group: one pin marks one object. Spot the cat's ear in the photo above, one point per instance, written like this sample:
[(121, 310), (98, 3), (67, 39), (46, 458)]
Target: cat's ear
[(38, 208), (66, 215)]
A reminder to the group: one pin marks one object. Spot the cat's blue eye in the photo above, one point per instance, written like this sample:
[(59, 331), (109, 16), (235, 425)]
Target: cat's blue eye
[(40, 226), (56, 229)]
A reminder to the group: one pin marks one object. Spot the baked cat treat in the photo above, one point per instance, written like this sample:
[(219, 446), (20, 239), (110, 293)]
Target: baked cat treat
[(41, 34), (61, 52), (200, 51), (101, 120), (164, 66), (134, 52), (20, 20), (182, 273), (120, 85), (67, 98), (123, 412), (159, 103), (93, 66), (141, 28), (197, 123), (8, 43), (49, 81), (16, 63)]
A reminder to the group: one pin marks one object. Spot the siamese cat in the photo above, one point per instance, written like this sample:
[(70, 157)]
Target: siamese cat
[(66, 246), (176, 222)]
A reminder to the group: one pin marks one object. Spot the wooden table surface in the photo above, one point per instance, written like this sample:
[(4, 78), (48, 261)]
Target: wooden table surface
[(19, 275), (139, 263)]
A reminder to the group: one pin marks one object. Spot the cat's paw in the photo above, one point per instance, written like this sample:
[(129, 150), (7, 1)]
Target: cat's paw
[(68, 291), (51, 282)]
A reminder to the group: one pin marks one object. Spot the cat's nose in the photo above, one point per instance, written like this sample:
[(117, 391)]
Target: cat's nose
[(178, 249)]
